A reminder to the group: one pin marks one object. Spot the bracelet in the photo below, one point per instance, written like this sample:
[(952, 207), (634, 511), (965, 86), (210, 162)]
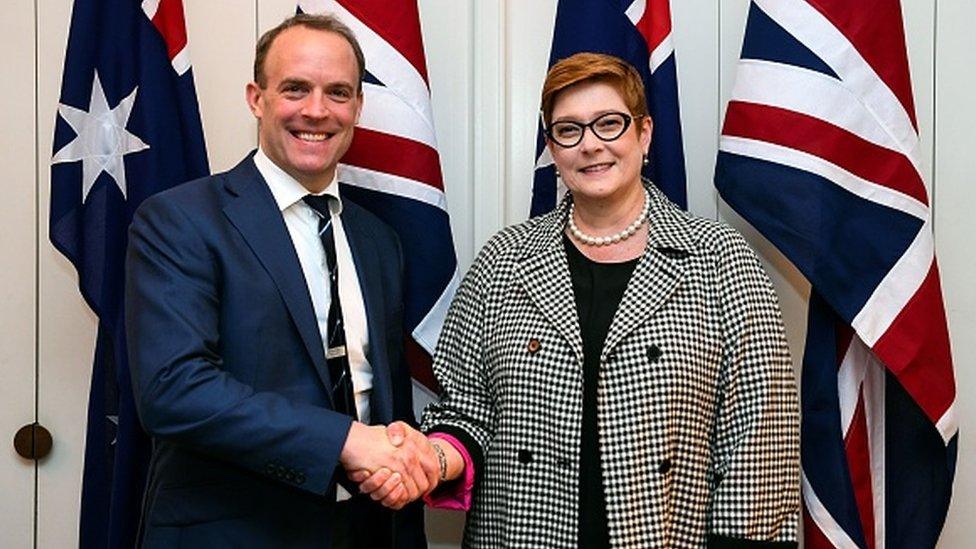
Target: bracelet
[(441, 459)]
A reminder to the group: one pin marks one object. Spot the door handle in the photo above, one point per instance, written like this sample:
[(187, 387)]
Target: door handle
[(33, 441)]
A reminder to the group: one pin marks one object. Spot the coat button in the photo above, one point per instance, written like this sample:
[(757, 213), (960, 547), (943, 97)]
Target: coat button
[(534, 345), (654, 352), (524, 456), (664, 467)]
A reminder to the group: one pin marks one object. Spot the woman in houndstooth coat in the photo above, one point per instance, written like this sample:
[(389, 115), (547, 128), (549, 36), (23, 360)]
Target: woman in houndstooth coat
[(615, 372)]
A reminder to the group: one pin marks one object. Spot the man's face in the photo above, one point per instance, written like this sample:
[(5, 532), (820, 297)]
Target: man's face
[(310, 103)]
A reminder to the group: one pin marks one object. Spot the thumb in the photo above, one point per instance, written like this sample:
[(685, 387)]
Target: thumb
[(396, 433)]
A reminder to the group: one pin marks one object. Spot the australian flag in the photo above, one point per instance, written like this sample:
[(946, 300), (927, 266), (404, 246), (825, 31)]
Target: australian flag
[(638, 31), (820, 152), (128, 126)]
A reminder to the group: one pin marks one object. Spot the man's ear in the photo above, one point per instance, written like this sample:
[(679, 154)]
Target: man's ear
[(252, 93)]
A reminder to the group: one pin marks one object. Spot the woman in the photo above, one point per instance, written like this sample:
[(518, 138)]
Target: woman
[(615, 372)]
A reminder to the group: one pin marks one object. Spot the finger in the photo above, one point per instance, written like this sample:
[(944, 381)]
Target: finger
[(358, 476), (389, 486), (410, 483), (375, 480), (417, 474), (396, 499), (396, 432)]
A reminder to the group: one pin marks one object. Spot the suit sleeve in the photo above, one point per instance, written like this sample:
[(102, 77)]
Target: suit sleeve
[(182, 389), (755, 468)]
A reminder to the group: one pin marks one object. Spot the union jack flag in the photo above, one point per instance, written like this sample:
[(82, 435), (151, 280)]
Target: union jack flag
[(128, 127), (638, 31), (393, 168), (820, 152)]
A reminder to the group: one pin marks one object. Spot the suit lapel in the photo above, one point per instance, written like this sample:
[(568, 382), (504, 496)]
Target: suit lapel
[(544, 274), (366, 258), (256, 215), (658, 273)]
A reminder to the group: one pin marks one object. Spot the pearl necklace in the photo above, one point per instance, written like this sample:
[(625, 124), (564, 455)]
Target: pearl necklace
[(614, 238)]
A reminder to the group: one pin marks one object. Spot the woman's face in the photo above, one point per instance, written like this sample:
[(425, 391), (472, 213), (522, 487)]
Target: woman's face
[(597, 169)]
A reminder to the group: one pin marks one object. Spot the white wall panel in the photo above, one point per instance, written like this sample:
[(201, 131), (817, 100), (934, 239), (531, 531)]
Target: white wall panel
[(18, 292), (449, 46), (696, 42), (221, 35), (67, 326), (528, 29), (955, 197)]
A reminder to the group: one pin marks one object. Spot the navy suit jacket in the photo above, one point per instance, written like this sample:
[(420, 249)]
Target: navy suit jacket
[(229, 373)]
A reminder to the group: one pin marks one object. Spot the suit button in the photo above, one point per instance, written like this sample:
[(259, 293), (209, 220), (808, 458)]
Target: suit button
[(300, 478), (665, 466), (524, 456), (533, 345), (654, 352)]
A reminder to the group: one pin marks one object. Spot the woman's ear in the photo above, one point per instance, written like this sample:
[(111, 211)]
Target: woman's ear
[(646, 128)]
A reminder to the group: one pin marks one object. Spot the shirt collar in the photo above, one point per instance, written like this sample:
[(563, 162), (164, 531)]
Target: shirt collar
[(286, 189)]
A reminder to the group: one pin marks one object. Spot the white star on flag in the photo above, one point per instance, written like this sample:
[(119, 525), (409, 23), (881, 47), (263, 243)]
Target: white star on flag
[(101, 138)]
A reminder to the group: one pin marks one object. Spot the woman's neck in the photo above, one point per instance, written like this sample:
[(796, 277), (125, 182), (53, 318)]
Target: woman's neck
[(607, 216)]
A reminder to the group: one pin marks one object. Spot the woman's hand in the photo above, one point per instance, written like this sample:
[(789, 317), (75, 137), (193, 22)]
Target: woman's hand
[(440, 462)]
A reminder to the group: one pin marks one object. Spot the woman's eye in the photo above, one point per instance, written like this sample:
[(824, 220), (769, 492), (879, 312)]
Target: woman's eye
[(567, 131)]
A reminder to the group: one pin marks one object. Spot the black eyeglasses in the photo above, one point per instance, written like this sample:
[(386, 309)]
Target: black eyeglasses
[(607, 127)]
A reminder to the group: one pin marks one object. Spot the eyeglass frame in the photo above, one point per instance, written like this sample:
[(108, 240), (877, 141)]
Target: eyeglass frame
[(628, 120)]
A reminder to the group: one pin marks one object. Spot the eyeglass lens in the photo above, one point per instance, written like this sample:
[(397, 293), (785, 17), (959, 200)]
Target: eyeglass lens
[(607, 127)]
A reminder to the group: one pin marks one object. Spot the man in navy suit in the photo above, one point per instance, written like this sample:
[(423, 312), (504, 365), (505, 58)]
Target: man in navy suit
[(237, 286)]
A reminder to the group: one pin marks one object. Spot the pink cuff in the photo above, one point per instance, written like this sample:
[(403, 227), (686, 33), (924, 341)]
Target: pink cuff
[(454, 494)]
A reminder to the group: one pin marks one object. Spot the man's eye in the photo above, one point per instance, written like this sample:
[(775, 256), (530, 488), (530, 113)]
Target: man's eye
[(342, 94)]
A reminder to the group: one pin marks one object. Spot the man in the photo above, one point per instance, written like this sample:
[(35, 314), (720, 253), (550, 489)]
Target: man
[(264, 315)]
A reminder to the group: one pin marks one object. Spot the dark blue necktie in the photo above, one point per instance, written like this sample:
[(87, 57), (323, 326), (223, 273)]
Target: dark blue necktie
[(335, 354)]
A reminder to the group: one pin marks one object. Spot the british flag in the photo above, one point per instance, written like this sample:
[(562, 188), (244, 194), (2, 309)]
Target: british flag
[(393, 168), (820, 152), (638, 31)]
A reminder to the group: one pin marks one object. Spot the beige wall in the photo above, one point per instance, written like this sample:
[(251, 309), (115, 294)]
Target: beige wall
[(487, 59)]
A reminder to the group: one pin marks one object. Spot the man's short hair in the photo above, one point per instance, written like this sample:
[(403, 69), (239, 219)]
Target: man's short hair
[(326, 23)]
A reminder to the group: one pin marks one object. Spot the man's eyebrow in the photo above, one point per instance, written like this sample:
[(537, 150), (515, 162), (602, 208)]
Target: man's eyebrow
[(292, 82)]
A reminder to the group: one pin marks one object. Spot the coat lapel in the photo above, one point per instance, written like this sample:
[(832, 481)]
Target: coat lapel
[(658, 273), (359, 234), (255, 214), (544, 274)]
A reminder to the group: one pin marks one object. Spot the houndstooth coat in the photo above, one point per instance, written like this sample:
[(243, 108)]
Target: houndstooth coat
[(697, 406)]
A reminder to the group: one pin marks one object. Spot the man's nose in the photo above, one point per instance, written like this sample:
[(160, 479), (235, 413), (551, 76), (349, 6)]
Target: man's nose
[(316, 106)]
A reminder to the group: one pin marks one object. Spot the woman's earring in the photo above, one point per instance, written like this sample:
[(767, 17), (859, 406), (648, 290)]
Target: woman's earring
[(646, 160), (558, 177)]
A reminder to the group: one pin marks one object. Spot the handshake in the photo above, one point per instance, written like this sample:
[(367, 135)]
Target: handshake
[(397, 464)]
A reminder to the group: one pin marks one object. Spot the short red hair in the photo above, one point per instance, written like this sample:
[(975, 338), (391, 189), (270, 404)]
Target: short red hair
[(594, 67)]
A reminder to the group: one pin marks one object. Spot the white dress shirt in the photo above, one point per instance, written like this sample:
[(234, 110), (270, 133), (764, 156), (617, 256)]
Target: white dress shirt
[(303, 226)]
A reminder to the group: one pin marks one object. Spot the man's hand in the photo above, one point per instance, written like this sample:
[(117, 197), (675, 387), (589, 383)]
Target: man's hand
[(397, 460), (390, 486)]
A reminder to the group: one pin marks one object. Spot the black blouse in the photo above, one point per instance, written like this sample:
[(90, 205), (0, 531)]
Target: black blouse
[(598, 289)]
